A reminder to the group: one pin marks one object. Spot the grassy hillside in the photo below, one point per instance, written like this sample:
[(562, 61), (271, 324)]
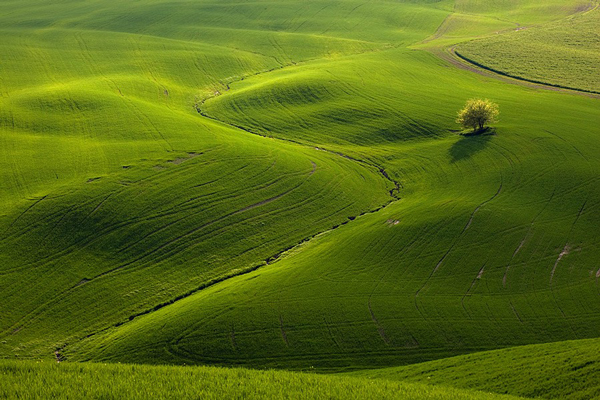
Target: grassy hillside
[(468, 19), (490, 246), (47, 380), (563, 370), (117, 195), (161, 161), (564, 53)]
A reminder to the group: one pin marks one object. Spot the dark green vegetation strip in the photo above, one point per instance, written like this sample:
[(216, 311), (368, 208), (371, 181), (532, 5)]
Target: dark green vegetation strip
[(563, 370), (46, 380)]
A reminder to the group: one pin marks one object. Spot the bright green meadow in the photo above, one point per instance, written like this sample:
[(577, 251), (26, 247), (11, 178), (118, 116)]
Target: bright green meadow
[(46, 380), (563, 370), (565, 53), (282, 185)]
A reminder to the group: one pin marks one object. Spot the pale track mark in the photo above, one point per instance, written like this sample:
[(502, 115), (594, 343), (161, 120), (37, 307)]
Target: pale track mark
[(567, 247), (520, 246), (468, 293), (378, 325), (566, 250)]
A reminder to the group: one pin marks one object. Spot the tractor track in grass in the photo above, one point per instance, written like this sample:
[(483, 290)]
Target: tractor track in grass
[(473, 285), (393, 192), (445, 255), (35, 203), (86, 241), (376, 322), (142, 257), (518, 249)]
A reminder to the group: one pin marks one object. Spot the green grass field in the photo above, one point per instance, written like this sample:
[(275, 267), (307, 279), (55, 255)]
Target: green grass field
[(281, 185), (45, 380), (562, 370), (565, 53)]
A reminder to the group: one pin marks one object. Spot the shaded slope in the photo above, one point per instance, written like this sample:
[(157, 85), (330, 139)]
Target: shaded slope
[(126, 242)]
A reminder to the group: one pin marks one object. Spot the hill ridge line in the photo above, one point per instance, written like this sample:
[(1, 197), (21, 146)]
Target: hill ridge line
[(382, 171)]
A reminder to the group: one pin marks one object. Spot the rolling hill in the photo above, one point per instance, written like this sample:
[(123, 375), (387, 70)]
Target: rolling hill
[(564, 53), (282, 185)]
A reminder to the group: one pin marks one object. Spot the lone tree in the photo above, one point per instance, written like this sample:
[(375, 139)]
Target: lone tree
[(477, 113)]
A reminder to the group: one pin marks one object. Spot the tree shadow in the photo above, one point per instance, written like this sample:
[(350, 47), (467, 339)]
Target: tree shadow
[(470, 144)]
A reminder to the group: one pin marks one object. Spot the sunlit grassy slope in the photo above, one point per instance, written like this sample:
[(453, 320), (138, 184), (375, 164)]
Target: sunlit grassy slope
[(468, 19), (117, 195), (564, 53), (45, 380), (563, 370), (133, 178), (491, 245)]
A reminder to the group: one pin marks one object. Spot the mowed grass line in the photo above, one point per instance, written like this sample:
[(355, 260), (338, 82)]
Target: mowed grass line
[(43, 380)]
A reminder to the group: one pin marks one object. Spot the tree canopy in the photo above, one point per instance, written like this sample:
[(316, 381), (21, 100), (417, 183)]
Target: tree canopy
[(477, 113)]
